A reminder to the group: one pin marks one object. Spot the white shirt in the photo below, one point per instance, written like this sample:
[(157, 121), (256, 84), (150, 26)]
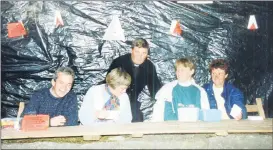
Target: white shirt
[(95, 99), (220, 101)]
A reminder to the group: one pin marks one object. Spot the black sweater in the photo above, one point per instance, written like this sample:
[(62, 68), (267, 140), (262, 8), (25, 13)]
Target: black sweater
[(43, 102), (144, 74)]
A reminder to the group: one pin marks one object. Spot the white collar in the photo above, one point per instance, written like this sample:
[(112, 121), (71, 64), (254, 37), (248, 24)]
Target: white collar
[(187, 83), (136, 65)]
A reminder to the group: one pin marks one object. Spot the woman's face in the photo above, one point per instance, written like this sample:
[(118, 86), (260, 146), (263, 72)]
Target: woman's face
[(218, 77), (119, 90)]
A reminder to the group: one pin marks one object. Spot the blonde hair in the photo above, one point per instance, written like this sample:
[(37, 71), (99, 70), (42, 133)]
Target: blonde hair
[(117, 77), (185, 62)]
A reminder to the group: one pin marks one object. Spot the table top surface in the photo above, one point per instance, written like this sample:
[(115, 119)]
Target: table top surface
[(230, 126)]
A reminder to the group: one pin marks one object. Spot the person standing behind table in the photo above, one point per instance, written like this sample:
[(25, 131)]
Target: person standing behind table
[(142, 71)]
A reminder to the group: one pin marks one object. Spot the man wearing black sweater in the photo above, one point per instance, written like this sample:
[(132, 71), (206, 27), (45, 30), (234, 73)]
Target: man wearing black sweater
[(142, 71), (59, 101)]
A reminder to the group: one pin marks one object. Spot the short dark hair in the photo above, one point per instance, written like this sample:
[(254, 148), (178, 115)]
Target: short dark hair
[(219, 63), (141, 43)]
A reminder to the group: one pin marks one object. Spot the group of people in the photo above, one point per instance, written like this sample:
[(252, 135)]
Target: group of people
[(116, 99)]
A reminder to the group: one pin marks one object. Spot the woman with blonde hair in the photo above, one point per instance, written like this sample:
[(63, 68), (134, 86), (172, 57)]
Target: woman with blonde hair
[(108, 102)]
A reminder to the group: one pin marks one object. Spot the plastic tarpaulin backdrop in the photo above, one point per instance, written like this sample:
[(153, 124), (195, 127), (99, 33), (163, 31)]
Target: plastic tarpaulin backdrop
[(217, 30)]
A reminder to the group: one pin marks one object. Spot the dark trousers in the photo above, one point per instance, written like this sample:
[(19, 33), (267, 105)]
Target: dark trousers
[(136, 112)]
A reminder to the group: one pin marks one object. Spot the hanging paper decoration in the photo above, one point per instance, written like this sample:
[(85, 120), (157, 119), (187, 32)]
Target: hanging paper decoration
[(114, 31), (252, 24), (58, 19), (16, 29), (175, 28)]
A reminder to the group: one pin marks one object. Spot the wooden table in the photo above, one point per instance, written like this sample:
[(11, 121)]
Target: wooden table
[(229, 126)]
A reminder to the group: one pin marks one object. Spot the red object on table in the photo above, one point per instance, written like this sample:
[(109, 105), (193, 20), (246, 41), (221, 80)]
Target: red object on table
[(35, 122)]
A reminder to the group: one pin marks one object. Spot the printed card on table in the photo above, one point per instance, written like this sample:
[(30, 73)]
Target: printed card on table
[(235, 110)]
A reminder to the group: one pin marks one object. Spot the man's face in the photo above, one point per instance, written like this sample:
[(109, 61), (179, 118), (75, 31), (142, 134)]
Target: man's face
[(139, 55), (62, 85), (218, 77), (119, 90), (184, 74)]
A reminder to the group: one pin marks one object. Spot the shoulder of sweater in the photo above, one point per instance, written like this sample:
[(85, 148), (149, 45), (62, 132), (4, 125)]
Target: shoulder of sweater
[(229, 85), (166, 89), (198, 86), (232, 88), (149, 62), (124, 96), (171, 84), (41, 91), (207, 86), (71, 95), (123, 57), (97, 87)]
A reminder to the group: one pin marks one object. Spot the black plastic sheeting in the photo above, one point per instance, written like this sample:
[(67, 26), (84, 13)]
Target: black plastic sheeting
[(210, 31)]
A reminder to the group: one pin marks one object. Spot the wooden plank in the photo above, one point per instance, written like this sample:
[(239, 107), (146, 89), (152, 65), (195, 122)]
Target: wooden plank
[(251, 108), (91, 137), (137, 135), (20, 109), (231, 126), (260, 107), (223, 133)]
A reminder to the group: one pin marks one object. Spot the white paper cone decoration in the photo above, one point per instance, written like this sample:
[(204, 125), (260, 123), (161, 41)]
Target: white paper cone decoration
[(114, 31), (252, 24), (58, 19)]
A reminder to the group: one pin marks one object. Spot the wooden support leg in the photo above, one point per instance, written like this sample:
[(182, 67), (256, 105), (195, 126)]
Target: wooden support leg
[(20, 109), (137, 135), (260, 107), (91, 137), (222, 133)]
